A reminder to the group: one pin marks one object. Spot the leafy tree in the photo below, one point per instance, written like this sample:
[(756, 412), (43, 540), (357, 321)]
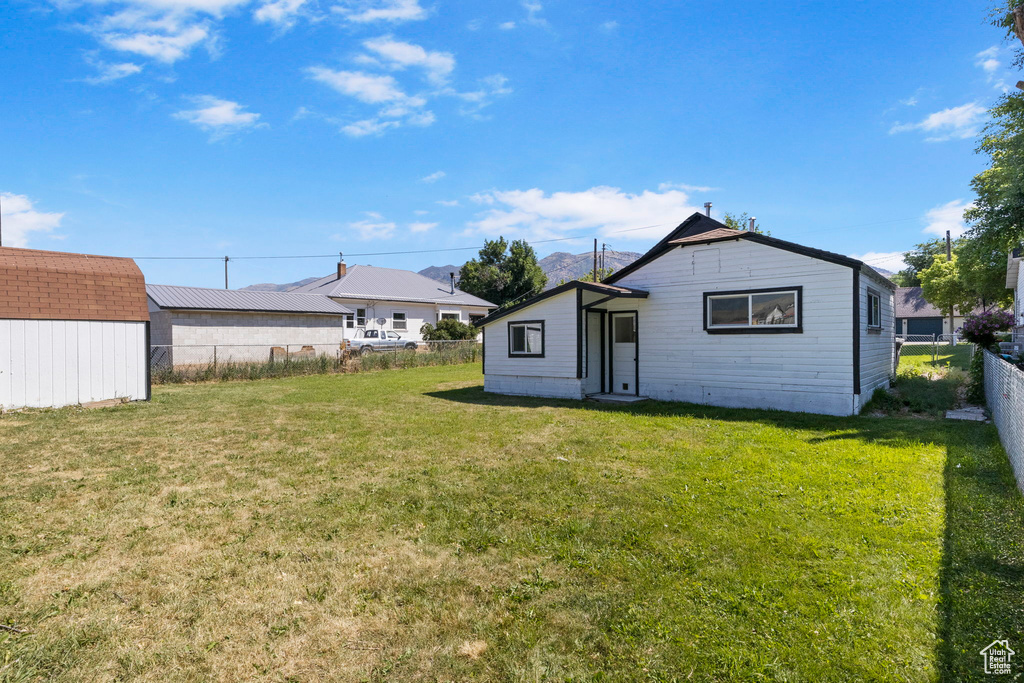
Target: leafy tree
[(742, 222), (943, 286), (982, 267), (447, 329), (602, 273), (997, 217), (503, 272), (917, 259)]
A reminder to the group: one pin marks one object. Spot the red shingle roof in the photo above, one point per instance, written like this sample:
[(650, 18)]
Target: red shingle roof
[(54, 285)]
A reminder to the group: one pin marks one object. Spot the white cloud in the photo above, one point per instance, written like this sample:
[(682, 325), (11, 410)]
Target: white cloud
[(369, 230), (382, 10), (420, 212), (20, 219), (887, 260), (396, 54), (687, 188), (605, 210), (421, 227), (369, 88), (448, 202), (955, 123), (986, 59), (108, 72), (610, 26), (507, 25), (433, 177), (217, 116), (948, 216), (166, 47), (533, 10), (282, 13)]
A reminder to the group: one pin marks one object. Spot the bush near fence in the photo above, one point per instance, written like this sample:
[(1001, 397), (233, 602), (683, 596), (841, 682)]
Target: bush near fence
[(182, 364), (1004, 393)]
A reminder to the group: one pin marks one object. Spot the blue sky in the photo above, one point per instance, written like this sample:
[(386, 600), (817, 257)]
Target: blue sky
[(290, 127)]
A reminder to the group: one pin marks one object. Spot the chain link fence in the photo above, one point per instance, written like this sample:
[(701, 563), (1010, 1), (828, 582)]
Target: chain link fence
[(1004, 394), (196, 363), (935, 350)]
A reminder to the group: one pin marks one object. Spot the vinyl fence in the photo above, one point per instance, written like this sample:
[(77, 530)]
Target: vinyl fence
[(1004, 393), (181, 363)]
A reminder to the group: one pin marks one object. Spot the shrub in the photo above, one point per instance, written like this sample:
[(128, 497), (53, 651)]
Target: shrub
[(981, 329), (447, 330), (976, 385)]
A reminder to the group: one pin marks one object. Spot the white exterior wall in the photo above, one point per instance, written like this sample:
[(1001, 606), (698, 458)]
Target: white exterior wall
[(416, 314), (680, 361), (53, 363), (1018, 306), (877, 347), (554, 375)]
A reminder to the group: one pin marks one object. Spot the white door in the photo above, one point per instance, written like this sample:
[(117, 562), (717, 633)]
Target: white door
[(623, 353)]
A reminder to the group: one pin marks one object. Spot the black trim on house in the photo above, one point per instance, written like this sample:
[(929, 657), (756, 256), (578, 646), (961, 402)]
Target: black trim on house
[(543, 346), (696, 224), (856, 332), (149, 372), (604, 315), (579, 334), (560, 289), (759, 329), (483, 352)]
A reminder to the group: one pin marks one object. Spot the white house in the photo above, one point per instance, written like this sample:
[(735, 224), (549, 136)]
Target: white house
[(73, 329), (188, 323), (697, 319), (397, 300), (1015, 281)]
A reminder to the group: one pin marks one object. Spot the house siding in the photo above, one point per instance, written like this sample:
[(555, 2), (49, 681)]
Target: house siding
[(554, 375), (877, 347), (811, 371)]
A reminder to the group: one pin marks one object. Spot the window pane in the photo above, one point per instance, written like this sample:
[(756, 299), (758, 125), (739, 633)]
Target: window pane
[(624, 330), (774, 309), (398, 321), (518, 339), (534, 343), (729, 310), (449, 316)]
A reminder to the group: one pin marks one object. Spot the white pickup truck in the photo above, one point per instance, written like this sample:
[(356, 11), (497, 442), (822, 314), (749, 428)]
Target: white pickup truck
[(368, 341)]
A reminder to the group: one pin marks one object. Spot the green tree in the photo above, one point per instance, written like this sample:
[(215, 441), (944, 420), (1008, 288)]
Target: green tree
[(503, 272), (742, 222), (602, 273), (997, 217), (917, 259), (943, 286), (982, 267), (448, 329)]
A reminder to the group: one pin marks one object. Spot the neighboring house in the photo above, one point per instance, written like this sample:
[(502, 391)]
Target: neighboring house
[(1015, 281), (246, 325), (396, 300), (916, 316), (697, 319), (73, 329)]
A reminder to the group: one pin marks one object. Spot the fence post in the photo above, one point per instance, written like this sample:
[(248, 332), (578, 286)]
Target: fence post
[(935, 348), (214, 356)]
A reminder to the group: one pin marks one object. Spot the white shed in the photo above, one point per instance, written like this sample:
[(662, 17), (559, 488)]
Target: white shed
[(73, 329), (710, 315)]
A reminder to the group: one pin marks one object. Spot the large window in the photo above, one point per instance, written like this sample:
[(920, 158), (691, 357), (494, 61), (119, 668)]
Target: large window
[(753, 311), (449, 316), (874, 310), (526, 339), (398, 321)]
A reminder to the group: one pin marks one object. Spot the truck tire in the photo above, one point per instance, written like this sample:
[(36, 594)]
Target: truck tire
[(365, 350)]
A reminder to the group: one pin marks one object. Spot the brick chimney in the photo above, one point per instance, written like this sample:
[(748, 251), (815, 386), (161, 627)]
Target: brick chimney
[(342, 269)]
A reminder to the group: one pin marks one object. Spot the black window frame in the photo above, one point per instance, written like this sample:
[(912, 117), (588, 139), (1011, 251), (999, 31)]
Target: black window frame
[(877, 296), (543, 340), (758, 329)]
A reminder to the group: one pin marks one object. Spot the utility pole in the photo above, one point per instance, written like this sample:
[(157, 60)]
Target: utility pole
[(226, 259), (949, 257), (603, 246), (595, 259)]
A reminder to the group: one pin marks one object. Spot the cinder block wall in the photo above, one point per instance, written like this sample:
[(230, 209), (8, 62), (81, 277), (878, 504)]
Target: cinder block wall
[(268, 329)]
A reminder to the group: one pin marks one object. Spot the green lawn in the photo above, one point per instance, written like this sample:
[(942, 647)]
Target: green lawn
[(404, 525), (926, 357)]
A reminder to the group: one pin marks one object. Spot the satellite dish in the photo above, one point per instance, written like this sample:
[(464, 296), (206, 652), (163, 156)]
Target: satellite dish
[(381, 321)]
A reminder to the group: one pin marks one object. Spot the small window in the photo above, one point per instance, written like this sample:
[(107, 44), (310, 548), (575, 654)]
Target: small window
[(350, 321), (398, 321), (475, 318), (360, 317), (449, 316), (752, 312), (874, 309), (526, 339), (624, 329)]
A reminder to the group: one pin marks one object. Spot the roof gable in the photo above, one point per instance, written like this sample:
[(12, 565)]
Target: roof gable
[(55, 285), (390, 284)]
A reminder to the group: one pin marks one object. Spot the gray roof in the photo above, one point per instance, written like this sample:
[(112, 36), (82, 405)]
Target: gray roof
[(910, 303), (390, 284), (203, 299)]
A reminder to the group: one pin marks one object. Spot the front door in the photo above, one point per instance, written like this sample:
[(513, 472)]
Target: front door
[(623, 354)]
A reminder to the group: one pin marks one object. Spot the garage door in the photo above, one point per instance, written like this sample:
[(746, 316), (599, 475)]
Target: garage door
[(927, 326)]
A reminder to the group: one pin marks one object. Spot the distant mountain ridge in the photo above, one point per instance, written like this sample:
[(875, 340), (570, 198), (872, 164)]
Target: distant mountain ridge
[(440, 273), (558, 266), (271, 287)]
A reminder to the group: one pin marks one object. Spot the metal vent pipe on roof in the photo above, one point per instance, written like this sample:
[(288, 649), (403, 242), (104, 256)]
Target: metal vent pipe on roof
[(707, 209), (452, 276), (752, 219)]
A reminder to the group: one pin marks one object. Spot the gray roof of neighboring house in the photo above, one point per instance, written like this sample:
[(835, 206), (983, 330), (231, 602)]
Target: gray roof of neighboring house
[(390, 284), (910, 303), (203, 299)]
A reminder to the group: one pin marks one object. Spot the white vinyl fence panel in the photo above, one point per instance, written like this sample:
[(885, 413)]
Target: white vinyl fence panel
[(53, 363), (1004, 393)]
